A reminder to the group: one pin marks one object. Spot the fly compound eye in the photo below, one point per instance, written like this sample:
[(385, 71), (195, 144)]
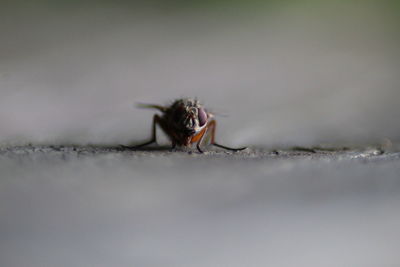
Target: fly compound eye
[(202, 117)]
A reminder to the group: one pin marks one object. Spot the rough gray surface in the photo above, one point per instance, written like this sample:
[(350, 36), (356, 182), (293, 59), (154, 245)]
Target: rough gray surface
[(372, 153), (301, 73), (103, 206)]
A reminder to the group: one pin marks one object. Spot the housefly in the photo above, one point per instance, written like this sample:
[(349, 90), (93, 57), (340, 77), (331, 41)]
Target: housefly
[(185, 122)]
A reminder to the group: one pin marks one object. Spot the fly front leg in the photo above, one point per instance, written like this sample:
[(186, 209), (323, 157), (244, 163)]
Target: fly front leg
[(173, 145), (212, 125), (156, 120), (202, 135)]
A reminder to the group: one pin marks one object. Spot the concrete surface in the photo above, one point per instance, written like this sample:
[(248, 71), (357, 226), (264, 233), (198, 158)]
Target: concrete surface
[(102, 206), (289, 74)]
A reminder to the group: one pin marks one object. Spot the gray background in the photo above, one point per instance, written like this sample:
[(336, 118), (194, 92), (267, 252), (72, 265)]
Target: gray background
[(283, 73), (277, 73)]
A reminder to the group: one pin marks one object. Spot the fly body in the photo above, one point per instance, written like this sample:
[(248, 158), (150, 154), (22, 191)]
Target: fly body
[(185, 122)]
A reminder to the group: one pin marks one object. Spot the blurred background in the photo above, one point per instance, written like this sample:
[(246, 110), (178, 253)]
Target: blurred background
[(276, 73), (279, 72)]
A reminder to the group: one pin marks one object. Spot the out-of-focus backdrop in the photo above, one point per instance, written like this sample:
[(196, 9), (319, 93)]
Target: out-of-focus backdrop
[(283, 72), (276, 73)]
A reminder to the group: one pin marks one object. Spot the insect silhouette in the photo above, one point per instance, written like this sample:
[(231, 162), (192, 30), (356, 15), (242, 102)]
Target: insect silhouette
[(185, 122)]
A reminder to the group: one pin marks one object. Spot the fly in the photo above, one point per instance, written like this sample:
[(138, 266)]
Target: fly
[(185, 122)]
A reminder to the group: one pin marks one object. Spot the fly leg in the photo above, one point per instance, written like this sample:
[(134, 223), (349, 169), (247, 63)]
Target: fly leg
[(173, 146), (203, 134), (229, 148), (213, 125), (156, 120)]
